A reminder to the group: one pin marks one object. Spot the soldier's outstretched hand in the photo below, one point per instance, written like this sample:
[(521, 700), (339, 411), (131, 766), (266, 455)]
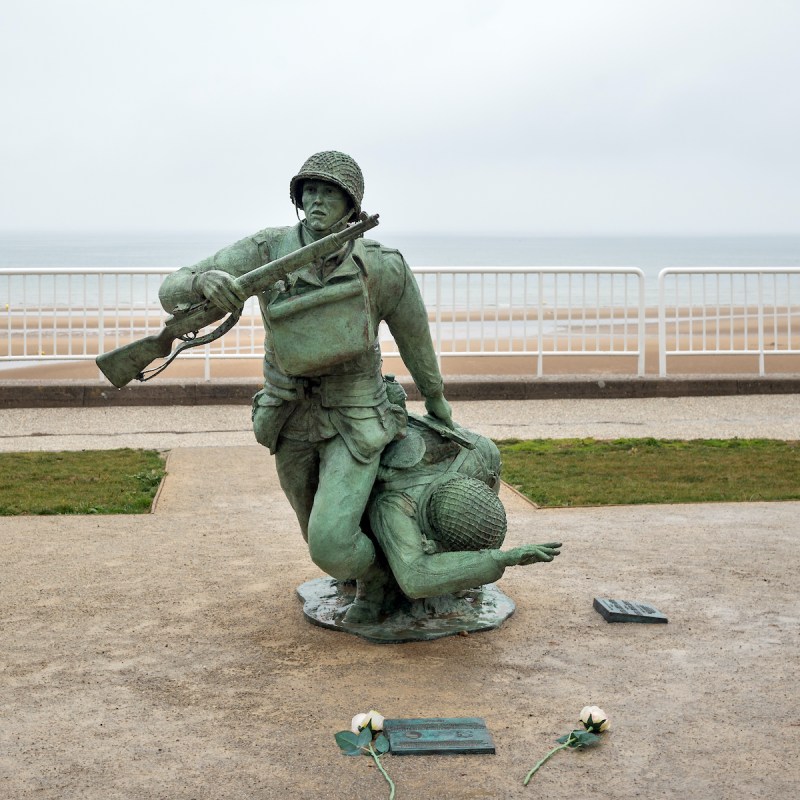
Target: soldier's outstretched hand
[(530, 554), (220, 288)]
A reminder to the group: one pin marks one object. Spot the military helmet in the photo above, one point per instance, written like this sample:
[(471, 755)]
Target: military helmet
[(333, 167), (463, 513)]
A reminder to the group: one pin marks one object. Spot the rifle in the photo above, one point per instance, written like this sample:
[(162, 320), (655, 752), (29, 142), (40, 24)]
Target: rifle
[(129, 362)]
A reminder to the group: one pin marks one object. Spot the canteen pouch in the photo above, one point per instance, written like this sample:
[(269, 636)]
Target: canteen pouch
[(269, 415), (320, 328)]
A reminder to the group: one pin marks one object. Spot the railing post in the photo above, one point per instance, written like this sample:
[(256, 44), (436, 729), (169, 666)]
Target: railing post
[(641, 338), (439, 319), (662, 326), (101, 315), (761, 361), (540, 333)]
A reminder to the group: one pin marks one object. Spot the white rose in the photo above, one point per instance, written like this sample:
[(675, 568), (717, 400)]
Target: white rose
[(372, 719), (594, 719), (359, 721)]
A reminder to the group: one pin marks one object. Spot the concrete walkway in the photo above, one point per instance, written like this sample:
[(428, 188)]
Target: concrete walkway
[(162, 427), (165, 655)]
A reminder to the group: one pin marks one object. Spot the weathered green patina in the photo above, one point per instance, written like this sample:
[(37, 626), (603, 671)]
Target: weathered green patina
[(326, 603), (439, 736), (132, 361), (435, 514), (326, 415)]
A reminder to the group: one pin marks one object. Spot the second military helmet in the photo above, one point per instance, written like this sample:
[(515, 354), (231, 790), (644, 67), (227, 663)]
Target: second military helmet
[(336, 168), (462, 513)]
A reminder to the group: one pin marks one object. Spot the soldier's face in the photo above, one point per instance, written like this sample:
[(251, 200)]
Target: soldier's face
[(324, 204)]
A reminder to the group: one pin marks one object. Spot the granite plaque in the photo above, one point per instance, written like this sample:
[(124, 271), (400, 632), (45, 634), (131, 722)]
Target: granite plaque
[(426, 737), (627, 611)]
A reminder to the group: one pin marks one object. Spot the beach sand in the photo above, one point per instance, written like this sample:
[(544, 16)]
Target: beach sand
[(588, 344)]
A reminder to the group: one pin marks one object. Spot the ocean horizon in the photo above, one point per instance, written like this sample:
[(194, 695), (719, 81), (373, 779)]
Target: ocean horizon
[(162, 249), (170, 250)]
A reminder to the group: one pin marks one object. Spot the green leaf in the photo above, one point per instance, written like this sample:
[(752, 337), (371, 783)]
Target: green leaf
[(348, 741), (382, 744), (365, 737), (581, 739), (563, 739)]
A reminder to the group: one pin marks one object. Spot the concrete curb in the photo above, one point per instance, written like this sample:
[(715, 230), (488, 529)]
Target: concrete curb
[(55, 394)]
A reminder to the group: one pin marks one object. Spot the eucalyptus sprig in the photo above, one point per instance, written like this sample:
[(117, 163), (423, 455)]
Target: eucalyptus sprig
[(594, 721), (366, 738)]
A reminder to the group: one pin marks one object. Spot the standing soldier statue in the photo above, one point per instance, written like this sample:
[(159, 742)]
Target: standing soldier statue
[(323, 411)]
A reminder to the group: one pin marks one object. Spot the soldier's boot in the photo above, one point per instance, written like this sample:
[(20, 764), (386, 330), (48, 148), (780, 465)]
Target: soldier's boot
[(377, 596)]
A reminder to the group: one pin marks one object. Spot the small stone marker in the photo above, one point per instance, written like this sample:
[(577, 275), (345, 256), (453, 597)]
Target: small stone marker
[(425, 737), (627, 611)]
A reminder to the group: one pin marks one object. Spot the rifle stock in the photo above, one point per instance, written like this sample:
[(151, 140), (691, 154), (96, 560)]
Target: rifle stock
[(126, 363)]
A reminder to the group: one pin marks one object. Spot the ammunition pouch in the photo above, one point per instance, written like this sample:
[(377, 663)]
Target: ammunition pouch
[(321, 328)]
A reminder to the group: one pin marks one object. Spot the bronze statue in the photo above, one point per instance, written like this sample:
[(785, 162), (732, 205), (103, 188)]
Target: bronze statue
[(324, 411), (436, 514)]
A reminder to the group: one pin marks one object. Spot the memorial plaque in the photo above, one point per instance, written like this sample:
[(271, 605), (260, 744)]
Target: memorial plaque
[(627, 611), (427, 737)]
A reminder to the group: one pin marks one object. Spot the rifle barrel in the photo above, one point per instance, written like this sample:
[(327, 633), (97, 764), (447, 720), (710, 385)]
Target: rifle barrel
[(261, 278)]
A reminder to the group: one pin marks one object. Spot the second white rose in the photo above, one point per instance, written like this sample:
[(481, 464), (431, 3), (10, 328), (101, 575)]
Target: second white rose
[(594, 719)]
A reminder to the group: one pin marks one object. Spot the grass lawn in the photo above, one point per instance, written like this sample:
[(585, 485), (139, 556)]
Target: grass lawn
[(83, 482), (589, 472), (551, 472)]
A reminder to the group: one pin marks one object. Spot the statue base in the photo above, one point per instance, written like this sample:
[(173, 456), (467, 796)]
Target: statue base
[(326, 602)]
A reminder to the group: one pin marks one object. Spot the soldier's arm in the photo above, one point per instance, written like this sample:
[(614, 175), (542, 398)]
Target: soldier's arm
[(212, 278), (407, 319)]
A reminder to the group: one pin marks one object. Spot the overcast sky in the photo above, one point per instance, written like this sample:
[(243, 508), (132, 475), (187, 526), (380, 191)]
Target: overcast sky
[(557, 117)]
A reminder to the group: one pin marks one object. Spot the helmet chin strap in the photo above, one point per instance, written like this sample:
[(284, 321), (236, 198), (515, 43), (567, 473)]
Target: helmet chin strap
[(343, 221), (337, 226)]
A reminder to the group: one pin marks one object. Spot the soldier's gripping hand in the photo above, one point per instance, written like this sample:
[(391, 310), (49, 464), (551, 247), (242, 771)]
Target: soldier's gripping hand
[(529, 554), (438, 407), (220, 289)]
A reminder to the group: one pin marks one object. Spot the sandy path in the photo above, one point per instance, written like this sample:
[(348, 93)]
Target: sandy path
[(166, 656)]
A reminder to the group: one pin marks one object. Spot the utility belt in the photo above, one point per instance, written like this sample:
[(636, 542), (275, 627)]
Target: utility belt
[(344, 392), (352, 391)]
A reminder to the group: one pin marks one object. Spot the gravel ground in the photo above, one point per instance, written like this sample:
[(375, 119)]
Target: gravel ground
[(166, 656)]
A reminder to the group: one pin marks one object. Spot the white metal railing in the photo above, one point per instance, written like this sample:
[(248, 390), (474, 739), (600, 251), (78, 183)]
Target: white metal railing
[(728, 311), (67, 315), (534, 312)]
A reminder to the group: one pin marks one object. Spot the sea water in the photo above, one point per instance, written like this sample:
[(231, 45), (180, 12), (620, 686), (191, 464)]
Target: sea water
[(651, 254)]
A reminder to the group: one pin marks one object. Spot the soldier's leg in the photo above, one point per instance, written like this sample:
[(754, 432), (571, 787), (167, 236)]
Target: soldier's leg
[(298, 471), (335, 539)]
